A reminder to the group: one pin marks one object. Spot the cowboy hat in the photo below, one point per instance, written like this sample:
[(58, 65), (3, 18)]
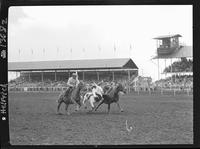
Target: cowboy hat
[(74, 74)]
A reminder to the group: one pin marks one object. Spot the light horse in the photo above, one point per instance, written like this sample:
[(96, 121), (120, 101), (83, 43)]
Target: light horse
[(67, 95), (90, 95), (112, 97)]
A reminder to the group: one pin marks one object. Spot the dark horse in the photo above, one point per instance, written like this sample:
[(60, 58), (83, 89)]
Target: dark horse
[(68, 94), (112, 97)]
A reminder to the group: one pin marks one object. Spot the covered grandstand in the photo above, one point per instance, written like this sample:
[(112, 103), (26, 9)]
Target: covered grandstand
[(180, 73), (88, 70)]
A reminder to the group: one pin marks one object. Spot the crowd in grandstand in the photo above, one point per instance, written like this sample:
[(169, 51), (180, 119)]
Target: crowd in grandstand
[(181, 66)]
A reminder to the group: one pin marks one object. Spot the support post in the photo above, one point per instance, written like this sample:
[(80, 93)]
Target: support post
[(29, 77), (171, 74), (158, 70), (55, 76), (42, 77), (83, 75), (68, 74), (128, 81), (97, 75), (165, 67), (113, 75)]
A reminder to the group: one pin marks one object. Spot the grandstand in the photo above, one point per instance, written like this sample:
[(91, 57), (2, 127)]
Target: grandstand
[(56, 73), (180, 73)]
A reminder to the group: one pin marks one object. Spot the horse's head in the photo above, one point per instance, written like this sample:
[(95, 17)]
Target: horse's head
[(120, 88), (80, 85)]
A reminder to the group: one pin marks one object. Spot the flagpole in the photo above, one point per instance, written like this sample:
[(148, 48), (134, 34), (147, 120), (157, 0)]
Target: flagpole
[(99, 50), (43, 51), (84, 52), (57, 51), (114, 50), (31, 53), (19, 54), (71, 53)]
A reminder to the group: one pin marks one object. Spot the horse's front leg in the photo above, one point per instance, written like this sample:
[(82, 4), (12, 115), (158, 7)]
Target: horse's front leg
[(77, 107), (92, 102), (66, 109), (101, 102), (108, 108), (58, 107), (84, 100), (121, 110)]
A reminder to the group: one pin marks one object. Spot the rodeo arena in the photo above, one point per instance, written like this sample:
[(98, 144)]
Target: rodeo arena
[(111, 103)]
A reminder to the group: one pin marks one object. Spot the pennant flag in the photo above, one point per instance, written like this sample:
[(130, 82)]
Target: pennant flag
[(71, 50), (99, 48), (130, 47), (114, 48), (43, 50), (31, 51), (19, 51)]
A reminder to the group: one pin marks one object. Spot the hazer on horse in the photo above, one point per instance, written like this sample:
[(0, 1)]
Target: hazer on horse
[(112, 96), (72, 93)]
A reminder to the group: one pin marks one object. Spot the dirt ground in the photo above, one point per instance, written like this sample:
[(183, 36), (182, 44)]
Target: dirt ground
[(155, 119)]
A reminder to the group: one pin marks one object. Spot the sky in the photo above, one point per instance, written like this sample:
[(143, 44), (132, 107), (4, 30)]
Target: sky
[(45, 33)]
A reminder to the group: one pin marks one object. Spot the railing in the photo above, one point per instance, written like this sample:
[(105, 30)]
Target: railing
[(36, 89), (131, 89)]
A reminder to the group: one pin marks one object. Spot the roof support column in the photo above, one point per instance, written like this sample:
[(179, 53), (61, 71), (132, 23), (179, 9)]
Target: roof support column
[(97, 75), (42, 76), (29, 76), (171, 74), (158, 70), (83, 75), (55, 76), (113, 76), (128, 81), (165, 68), (68, 74)]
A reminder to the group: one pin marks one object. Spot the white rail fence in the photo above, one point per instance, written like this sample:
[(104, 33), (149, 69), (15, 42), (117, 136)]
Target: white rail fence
[(130, 89)]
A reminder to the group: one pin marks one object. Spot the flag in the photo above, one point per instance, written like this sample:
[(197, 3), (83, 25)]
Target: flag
[(114, 48), (99, 48), (43, 50), (71, 50), (19, 51), (130, 47), (83, 50), (57, 50), (31, 51)]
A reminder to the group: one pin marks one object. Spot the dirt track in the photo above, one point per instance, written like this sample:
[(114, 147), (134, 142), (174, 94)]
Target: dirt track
[(155, 119)]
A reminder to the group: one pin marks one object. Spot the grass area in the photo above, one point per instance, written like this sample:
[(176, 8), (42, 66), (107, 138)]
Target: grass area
[(156, 119)]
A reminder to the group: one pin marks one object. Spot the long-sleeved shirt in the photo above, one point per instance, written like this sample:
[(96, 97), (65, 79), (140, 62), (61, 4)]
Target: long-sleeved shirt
[(72, 82)]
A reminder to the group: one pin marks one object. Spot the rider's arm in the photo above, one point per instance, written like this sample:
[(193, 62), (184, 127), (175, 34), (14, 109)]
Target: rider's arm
[(77, 81), (69, 82)]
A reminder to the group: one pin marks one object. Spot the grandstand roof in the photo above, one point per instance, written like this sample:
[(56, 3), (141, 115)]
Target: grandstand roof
[(117, 63), (167, 36), (185, 51)]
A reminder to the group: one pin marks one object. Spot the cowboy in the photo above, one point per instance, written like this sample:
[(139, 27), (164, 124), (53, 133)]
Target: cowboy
[(96, 90), (72, 83)]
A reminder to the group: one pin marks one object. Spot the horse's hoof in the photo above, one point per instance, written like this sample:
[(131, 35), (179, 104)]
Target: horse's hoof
[(85, 107), (59, 113), (122, 110)]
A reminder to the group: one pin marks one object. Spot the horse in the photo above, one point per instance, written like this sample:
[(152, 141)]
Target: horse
[(90, 96), (112, 97), (68, 94)]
